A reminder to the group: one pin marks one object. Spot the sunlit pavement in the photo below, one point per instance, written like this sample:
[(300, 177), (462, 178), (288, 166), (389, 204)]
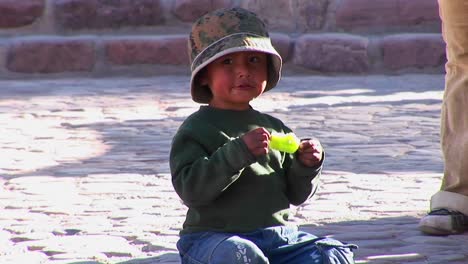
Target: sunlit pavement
[(85, 176)]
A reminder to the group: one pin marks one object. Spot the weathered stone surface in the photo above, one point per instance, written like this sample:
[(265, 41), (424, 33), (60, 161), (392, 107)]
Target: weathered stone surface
[(355, 14), (311, 15), (172, 51), (96, 14), (51, 56), (332, 53), (190, 10), (276, 14), (20, 13), (413, 50)]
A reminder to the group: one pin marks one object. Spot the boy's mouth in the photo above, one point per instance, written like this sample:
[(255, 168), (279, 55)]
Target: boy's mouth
[(245, 86)]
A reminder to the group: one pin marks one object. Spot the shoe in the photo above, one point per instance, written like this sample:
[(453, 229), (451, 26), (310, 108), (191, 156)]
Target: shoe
[(444, 222)]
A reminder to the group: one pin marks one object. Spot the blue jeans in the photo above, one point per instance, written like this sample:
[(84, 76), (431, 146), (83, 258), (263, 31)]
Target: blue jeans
[(273, 245)]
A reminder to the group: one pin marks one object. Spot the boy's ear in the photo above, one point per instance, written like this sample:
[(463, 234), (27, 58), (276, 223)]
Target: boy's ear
[(202, 79)]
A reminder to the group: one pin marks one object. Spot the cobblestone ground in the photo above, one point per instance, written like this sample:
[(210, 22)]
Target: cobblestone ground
[(85, 177)]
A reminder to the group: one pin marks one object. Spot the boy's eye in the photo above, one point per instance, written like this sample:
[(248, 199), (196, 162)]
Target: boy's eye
[(254, 59), (226, 61)]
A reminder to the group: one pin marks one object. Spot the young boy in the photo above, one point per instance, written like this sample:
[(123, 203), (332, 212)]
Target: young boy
[(237, 189)]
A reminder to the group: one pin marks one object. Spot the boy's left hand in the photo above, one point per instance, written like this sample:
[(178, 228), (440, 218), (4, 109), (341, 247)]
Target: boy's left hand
[(310, 152)]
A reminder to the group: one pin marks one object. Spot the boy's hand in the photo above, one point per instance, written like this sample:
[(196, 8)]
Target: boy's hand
[(257, 141), (310, 152)]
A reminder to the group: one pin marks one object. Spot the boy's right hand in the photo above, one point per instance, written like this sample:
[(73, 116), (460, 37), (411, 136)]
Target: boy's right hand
[(257, 141)]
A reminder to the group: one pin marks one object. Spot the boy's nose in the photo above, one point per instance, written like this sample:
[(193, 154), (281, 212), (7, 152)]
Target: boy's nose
[(242, 69)]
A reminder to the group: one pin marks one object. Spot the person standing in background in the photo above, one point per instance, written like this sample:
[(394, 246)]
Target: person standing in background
[(449, 206)]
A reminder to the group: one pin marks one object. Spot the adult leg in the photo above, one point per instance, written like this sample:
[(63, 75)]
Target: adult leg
[(449, 206), (214, 248)]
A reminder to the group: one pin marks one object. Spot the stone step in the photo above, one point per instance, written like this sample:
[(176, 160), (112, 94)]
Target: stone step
[(75, 17), (390, 15), (145, 37), (324, 52)]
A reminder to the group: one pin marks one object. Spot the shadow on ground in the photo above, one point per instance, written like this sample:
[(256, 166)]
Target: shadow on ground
[(339, 109), (394, 240), (142, 147), (389, 240), (164, 258)]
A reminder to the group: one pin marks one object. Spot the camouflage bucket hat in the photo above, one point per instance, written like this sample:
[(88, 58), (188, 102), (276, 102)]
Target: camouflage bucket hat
[(226, 31)]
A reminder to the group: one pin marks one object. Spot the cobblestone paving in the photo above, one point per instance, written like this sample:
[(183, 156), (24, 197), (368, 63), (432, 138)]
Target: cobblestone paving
[(85, 177)]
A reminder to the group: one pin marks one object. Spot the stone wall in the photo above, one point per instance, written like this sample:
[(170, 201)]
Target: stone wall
[(51, 38)]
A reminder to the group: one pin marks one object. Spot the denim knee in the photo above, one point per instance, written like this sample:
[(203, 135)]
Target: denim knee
[(239, 251), (336, 252)]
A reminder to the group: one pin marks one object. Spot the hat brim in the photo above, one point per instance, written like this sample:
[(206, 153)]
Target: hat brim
[(234, 43)]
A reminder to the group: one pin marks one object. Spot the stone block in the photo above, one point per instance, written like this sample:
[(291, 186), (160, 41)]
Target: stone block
[(332, 53), (277, 15), (311, 15), (413, 50), (51, 56), (416, 12), (190, 10), (356, 14), (15, 13), (290, 16), (282, 44), (167, 50), (98, 14), (363, 13)]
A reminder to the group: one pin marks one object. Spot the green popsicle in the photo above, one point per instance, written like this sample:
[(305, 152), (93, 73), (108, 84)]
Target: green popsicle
[(284, 142)]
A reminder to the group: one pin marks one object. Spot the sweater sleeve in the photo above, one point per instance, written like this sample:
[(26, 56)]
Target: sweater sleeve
[(302, 180), (200, 175)]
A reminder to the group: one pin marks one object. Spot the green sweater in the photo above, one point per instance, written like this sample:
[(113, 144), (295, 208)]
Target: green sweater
[(224, 186)]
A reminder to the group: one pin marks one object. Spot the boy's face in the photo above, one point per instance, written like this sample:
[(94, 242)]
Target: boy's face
[(235, 79)]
